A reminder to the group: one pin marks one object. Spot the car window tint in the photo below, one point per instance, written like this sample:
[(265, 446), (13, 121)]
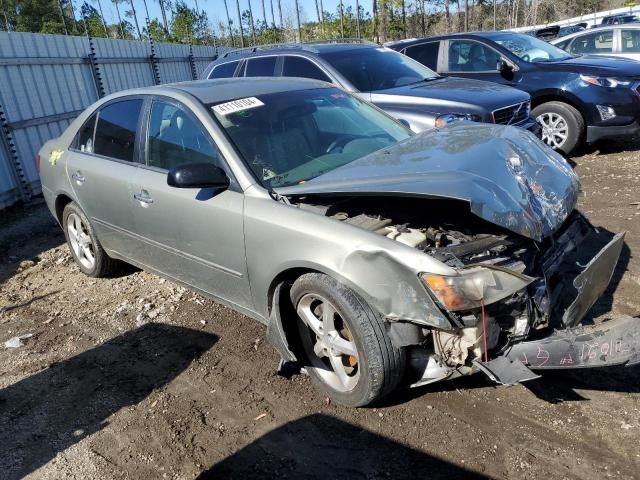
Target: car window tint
[(631, 41), (260, 67), (84, 138), (116, 129), (224, 70), (175, 138), (301, 67), (598, 42), (469, 56), (426, 54)]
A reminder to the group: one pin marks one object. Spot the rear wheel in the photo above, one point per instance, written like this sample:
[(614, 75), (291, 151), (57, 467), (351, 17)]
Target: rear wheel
[(562, 125), (83, 243), (346, 349)]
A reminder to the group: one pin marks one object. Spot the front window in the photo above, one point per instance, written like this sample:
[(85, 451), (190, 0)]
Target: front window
[(291, 137), (470, 56), (529, 49), (371, 69)]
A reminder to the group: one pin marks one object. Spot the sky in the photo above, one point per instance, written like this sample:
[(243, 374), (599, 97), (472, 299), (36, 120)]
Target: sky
[(215, 8)]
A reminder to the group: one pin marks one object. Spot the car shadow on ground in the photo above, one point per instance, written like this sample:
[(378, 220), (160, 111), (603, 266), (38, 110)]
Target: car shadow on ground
[(323, 447), (50, 411)]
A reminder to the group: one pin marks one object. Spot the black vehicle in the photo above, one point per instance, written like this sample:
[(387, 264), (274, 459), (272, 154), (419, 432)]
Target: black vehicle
[(618, 19), (405, 89), (575, 99)]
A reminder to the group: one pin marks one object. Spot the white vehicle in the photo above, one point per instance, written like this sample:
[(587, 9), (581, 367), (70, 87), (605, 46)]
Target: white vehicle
[(616, 40)]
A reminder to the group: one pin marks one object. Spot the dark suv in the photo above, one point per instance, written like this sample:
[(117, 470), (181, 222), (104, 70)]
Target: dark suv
[(402, 87), (575, 98)]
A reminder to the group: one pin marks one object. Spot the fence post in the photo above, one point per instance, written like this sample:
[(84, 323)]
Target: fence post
[(95, 70), (8, 144), (153, 59), (192, 63)]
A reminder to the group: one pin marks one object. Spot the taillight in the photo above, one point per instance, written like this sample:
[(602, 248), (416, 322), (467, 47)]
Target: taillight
[(38, 163)]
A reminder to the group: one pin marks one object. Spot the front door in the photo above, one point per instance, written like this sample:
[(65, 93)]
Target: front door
[(100, 165), (473, 59), (193, 235)]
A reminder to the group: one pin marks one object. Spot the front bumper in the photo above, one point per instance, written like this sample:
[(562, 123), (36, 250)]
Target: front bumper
[(531, 125), (595, 133)]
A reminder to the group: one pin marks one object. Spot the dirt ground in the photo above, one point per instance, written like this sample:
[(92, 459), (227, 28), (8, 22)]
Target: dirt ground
[(134, 377)]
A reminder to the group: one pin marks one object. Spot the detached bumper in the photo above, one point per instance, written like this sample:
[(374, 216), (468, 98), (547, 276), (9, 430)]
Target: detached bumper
[(596, 133), (615, 342)]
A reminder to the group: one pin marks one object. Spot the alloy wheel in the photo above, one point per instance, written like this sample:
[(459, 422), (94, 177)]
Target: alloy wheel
[(80, 241), (328, 342), (554, 129)]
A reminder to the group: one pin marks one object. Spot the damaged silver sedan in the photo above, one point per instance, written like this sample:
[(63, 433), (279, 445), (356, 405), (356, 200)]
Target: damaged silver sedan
[(374, 256)]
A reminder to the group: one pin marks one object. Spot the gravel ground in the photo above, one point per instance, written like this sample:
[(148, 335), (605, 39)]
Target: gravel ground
[(134, 377)]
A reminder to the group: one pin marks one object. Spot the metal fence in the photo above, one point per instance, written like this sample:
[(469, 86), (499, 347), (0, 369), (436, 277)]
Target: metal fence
[(47, 80)]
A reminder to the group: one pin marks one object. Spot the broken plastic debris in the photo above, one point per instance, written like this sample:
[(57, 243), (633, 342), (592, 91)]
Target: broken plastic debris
[(17, 341), (262, 415)]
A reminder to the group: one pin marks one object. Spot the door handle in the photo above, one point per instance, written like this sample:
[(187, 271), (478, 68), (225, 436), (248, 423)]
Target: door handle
[(78, 178), (143, 197)]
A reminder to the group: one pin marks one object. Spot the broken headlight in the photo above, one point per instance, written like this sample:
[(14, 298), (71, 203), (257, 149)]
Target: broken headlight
[(474, 286)]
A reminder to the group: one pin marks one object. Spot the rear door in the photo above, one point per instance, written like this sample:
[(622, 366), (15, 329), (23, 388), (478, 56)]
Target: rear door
[(426, 53), (100, 166), (193, 235), (629, 45)]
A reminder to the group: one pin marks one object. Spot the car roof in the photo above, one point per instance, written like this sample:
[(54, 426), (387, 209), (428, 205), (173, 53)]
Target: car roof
[(279, 49), (224, 89), (626, 26), (445, 36)]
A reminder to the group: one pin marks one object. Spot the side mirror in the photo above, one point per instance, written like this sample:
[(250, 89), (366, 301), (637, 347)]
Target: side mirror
[(505, 68), (198, 175)]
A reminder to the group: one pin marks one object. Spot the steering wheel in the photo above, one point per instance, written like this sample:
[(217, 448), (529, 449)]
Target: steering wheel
[(338, 143)]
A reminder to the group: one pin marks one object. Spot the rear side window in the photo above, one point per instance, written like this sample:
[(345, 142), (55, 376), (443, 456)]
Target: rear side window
[(426, 54), (224, 70), (631, 41), (563, 45), (260, 67), (301, 67), (84, 138), (115, 135), (599, 42)]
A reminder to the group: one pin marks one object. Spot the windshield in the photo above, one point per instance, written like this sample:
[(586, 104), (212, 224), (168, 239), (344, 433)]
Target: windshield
[(529, 49), (370, 69), (291, 137)]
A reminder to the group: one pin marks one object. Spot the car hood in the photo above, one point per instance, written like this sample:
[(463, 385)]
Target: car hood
[(448, 91), (507, 176), (596, 64)]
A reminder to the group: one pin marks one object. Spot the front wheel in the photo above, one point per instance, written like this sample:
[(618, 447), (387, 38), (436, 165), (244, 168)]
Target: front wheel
[(346, 348), (562, 125)]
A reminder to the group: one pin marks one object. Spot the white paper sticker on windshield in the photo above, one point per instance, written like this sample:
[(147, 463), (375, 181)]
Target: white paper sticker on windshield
[(237, 106)]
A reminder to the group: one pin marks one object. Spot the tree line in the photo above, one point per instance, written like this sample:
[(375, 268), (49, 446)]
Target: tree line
[(237, 23)]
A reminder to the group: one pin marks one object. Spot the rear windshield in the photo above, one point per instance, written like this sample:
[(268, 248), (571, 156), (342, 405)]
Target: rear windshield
[(370, 69), (292, 137)]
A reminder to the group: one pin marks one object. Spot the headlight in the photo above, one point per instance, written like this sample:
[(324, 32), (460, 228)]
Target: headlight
[(474, 286), (448, 118), (608, 82)]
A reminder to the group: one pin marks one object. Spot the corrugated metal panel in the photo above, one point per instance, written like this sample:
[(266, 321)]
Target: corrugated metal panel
[(9, 192), (32, 90), (121, 76), (176, 71), (205, 52)]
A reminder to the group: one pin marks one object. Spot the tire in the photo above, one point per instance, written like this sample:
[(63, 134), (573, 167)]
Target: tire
[(85, 247), (376, 368), (570, 123)]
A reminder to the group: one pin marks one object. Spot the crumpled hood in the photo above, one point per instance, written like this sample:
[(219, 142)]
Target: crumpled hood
[(507, 176)]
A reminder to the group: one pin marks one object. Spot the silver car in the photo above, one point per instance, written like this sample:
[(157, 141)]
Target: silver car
[(374, 256), (616, 40)]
